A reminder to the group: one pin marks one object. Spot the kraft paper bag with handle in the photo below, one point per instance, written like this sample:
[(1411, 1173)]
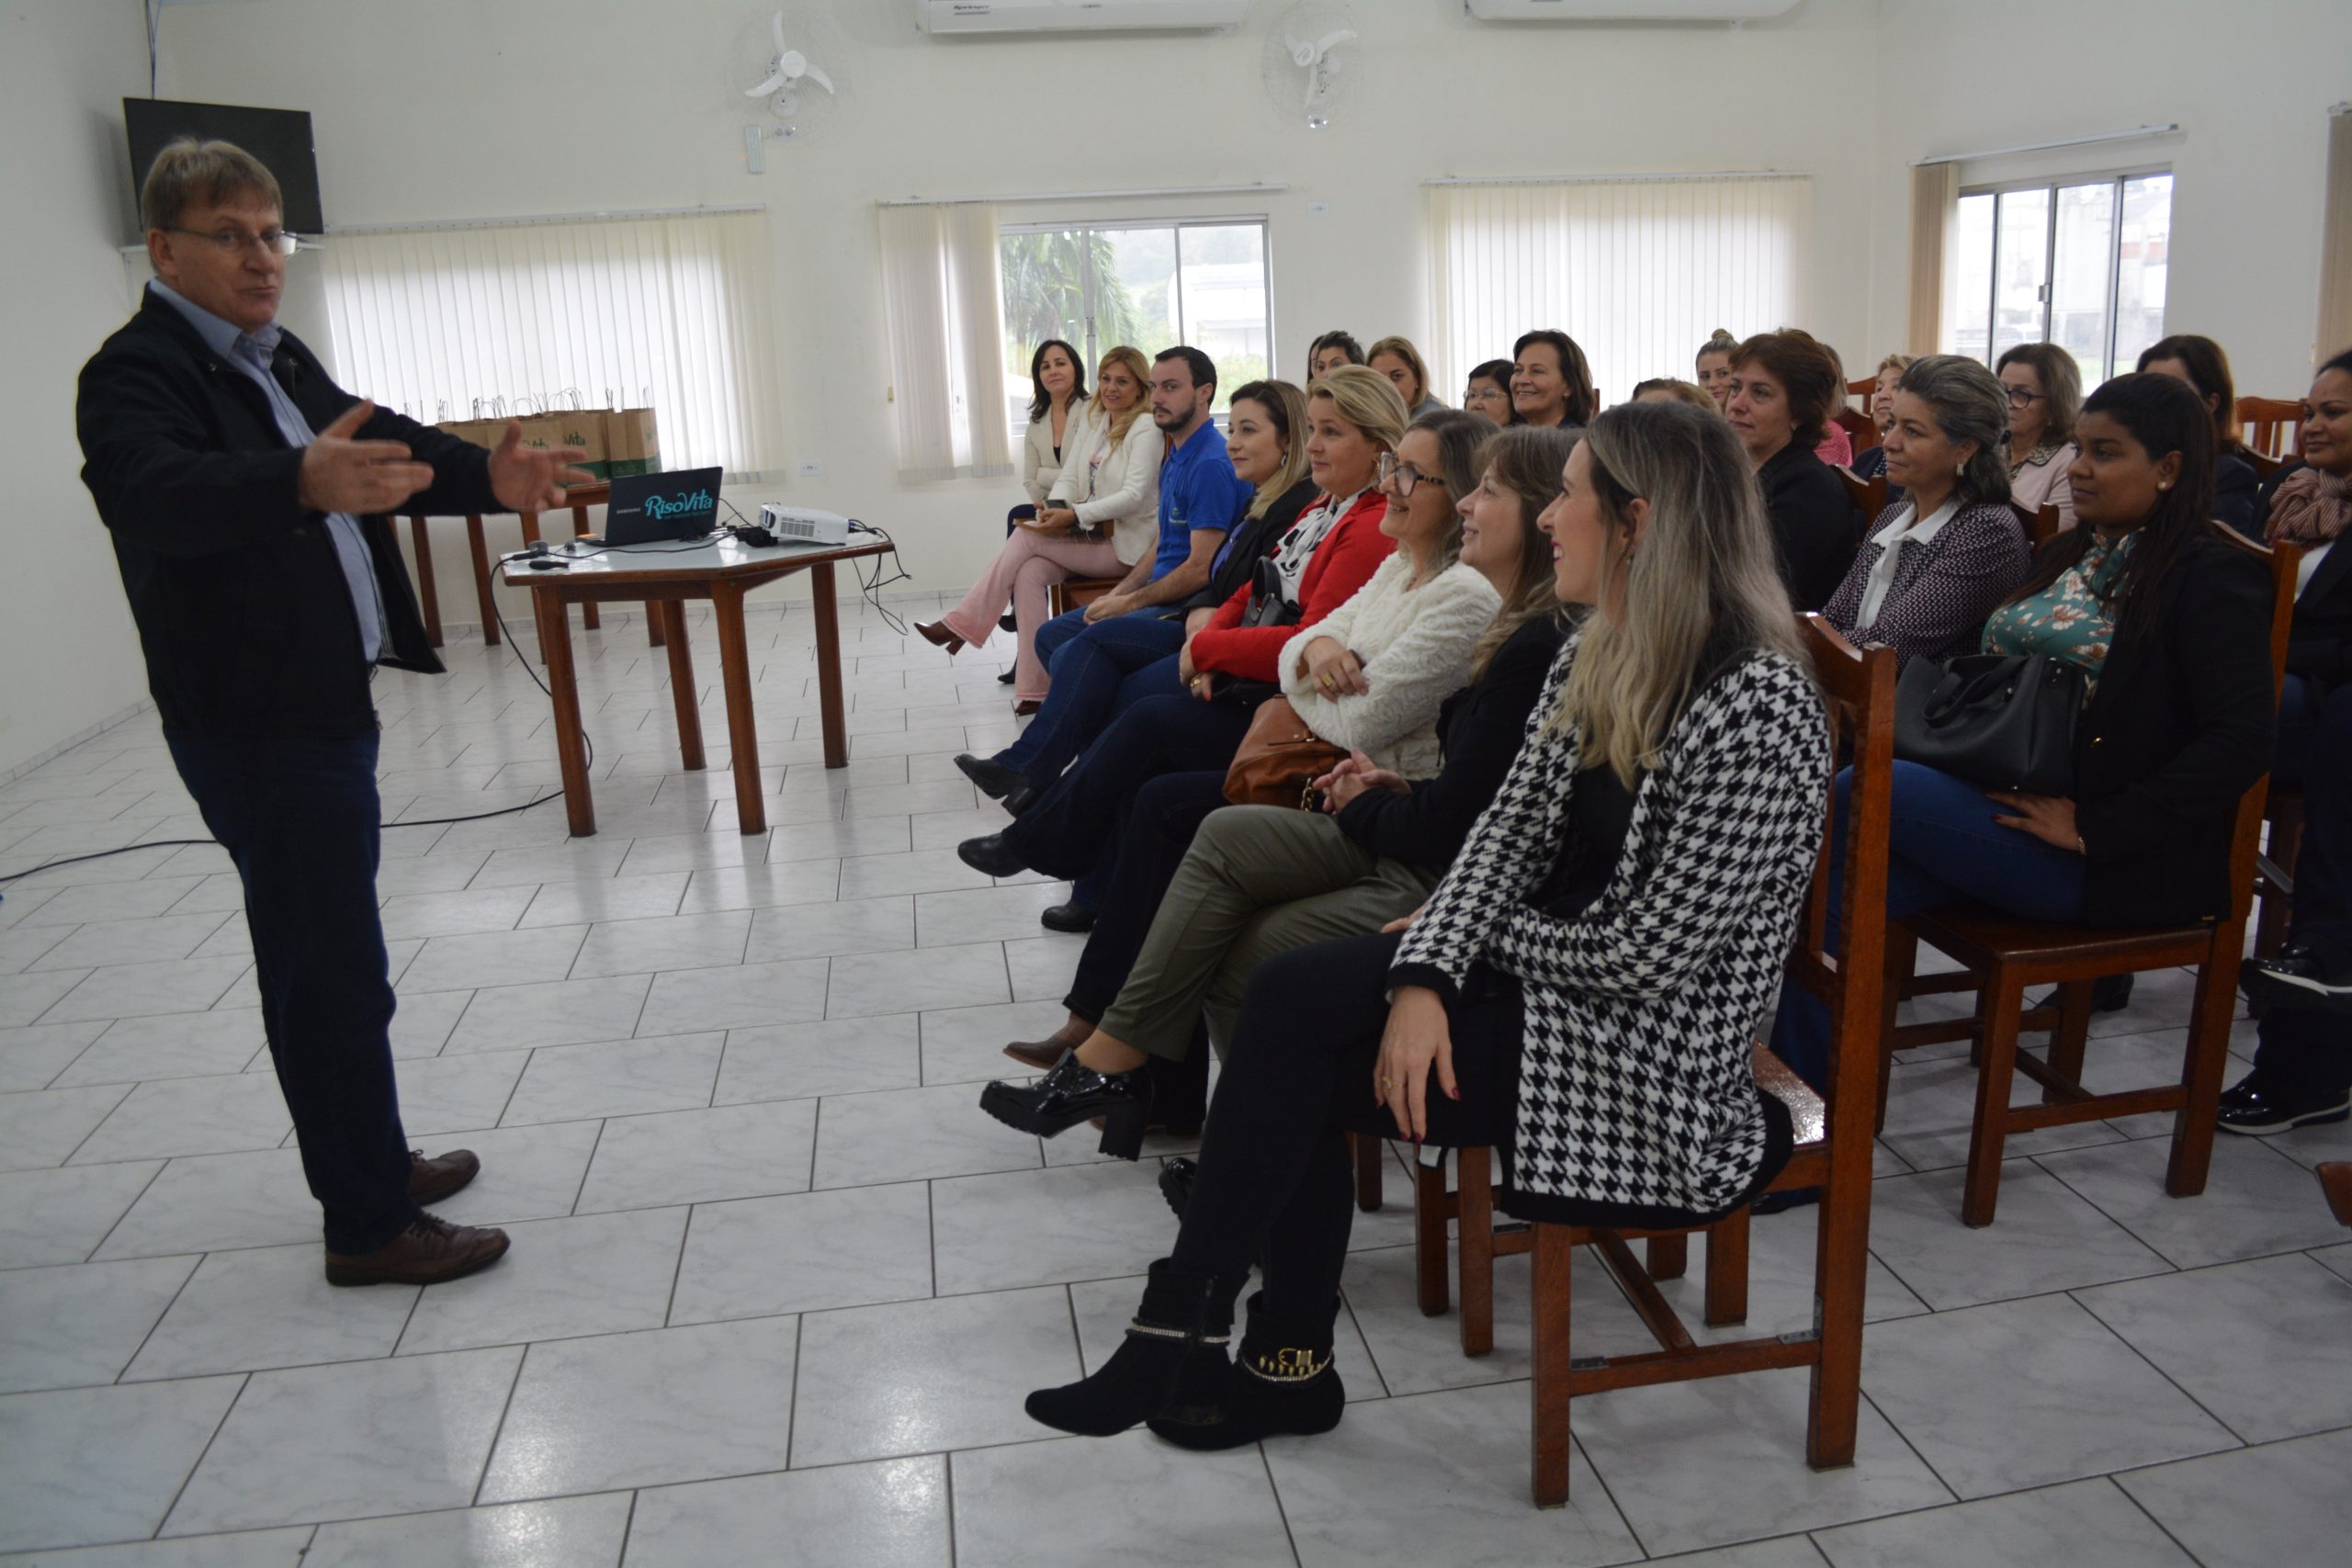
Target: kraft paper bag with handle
[(584, 428), (632, 445)]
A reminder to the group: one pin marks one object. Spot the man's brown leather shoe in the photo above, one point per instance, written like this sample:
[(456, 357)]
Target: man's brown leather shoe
[(430, 1181), (427, 1253)]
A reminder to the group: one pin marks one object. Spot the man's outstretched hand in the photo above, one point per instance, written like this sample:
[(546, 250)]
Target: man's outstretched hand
[(341, 473), (533, 478)]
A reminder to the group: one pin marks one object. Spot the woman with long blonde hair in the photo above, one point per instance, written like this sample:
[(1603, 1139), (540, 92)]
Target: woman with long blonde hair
[(1582, 988), (1102, 517)]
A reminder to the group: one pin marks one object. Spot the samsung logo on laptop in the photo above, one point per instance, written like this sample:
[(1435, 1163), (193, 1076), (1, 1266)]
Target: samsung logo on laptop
[(660, 507)]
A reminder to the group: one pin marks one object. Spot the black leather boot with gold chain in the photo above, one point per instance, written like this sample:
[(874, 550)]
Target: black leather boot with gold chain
[(1281, 1383)]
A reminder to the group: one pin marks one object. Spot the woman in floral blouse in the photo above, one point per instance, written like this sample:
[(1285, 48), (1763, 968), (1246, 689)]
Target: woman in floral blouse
[(2173, 627)]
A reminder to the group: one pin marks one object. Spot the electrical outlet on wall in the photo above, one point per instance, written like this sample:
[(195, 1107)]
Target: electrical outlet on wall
[(809, 469)]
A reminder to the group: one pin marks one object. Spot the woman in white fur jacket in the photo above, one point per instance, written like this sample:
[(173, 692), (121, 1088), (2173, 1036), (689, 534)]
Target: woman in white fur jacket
[(1369, 675)]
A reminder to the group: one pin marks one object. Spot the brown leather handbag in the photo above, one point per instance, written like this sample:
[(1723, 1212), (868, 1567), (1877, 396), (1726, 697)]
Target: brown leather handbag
[(1280, 760)]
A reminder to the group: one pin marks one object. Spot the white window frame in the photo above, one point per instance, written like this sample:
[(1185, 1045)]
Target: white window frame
[(2114, 179), (1093, 348)]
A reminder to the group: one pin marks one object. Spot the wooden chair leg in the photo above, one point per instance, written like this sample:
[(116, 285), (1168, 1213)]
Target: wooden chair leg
[(1549, 1386), (2004, 997), (1369, 1153), (2207, 1063), (1669, 1256), (1727, 1270), (1841, 1265), (480, 549), (1430, 1212), (1475, 1226), (428, 592), (2068, 1040), (1902, 958)]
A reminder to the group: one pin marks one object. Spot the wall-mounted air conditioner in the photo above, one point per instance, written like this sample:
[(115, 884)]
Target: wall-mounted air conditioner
[(1074, 16), (1628, 10)]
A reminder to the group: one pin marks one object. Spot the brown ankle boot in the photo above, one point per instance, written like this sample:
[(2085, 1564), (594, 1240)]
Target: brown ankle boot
[(429, 1251)]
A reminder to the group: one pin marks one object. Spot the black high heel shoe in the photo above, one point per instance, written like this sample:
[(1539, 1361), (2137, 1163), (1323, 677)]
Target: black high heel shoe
[(1073, 1092), (1176, 1177)]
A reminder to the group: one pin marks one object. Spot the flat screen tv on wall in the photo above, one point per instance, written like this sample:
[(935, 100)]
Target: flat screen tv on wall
[(279, 138)]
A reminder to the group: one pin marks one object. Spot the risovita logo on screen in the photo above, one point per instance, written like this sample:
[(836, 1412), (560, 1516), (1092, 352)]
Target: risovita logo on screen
[(663, 507)]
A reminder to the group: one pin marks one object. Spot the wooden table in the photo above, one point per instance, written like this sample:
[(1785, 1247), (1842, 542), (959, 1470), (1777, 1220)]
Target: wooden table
[(578, 500), (664, 578)]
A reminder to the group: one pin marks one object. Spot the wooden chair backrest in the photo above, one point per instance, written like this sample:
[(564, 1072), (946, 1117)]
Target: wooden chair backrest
[(2264, 465), (1869, 496), (1860, 429), (1860, 684), (2246, 838), (2268, 422), (1862, 390), (2040, 527)]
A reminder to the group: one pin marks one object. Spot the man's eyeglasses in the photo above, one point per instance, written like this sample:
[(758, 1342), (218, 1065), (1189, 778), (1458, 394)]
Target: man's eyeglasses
[(1399, 477), (233, 242)]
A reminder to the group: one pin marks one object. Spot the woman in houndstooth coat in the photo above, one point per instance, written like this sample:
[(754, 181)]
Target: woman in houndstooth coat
[(1582, 989)]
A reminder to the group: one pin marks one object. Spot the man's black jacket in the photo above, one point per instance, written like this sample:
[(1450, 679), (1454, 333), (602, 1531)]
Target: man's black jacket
[(243, 611)]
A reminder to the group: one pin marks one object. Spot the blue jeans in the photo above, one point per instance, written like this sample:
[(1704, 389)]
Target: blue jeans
[(2306, 1056), (1100, 671), (299, 818), (1944, 848)]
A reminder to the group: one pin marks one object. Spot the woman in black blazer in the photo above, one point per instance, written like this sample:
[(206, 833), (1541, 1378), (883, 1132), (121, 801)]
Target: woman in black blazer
[(2200, 362), (1782, 384), (2173, 627)]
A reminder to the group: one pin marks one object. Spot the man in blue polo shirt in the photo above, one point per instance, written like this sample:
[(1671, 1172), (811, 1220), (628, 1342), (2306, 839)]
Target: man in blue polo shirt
[(1107, 654)]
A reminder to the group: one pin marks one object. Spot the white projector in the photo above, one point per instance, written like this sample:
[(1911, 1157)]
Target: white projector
[(802, 525)]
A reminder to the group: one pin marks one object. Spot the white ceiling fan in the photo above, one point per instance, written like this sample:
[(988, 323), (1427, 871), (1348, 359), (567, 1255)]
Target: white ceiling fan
[(787, 71)]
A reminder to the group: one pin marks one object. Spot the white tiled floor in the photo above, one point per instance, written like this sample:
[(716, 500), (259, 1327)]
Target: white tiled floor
[(778, 1286)]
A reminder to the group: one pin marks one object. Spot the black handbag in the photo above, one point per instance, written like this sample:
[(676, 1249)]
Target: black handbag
[(2003, 721), (1267, 606)]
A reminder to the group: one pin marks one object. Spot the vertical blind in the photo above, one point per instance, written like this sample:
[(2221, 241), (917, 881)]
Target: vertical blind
[(1638, 271), (943, 293), (670, 310)]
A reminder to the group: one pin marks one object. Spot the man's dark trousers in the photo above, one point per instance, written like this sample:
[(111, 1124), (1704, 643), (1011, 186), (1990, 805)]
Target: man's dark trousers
[(298, 816)]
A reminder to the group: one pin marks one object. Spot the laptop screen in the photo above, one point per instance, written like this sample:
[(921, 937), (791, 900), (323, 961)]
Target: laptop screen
[(644, 508)]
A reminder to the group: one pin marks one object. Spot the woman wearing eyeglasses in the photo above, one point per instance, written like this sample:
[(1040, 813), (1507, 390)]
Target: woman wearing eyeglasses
[(2045, 393)]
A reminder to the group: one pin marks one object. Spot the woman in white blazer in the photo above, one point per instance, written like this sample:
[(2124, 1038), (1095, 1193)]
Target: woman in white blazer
[(1100, 517), (1057, 412)]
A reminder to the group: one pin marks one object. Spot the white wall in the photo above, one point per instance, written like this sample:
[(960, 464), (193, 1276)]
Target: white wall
[(69, 657), (2249, 82), (448, 108)]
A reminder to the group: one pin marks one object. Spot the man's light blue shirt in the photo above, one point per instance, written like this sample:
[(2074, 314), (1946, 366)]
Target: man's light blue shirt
[(251, 352)]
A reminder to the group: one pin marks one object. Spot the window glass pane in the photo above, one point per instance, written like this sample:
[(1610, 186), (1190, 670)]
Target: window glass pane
[(1967, 323), (2145, 237), (1223, 289), (1044, 296), (2021, 266), (1135, 280), (2079, 285)]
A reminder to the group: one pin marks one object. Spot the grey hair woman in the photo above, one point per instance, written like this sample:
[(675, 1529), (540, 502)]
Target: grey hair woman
[(1938, 561)]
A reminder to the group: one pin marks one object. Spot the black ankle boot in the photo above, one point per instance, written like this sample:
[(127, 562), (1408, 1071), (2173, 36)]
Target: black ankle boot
[(1073, 1092), (1171, 1363), (1283, 1383)]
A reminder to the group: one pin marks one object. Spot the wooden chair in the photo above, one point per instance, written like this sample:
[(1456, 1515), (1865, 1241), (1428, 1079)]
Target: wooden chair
[(1833, 1153), (1869, 496), (2040, 527), (1074, 592), (2264, 467), (2274, 882), (1860, 429), (2273, 426), (2002, 957)]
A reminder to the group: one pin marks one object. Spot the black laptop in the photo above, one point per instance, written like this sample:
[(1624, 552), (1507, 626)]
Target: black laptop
[(645, 509)]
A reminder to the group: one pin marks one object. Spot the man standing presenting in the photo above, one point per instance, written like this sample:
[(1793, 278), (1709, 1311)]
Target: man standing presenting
[(245, 495)]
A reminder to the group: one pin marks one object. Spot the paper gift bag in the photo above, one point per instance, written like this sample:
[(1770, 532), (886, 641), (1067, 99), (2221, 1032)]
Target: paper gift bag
[(632, 445), (585, 428), (481, 432)]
